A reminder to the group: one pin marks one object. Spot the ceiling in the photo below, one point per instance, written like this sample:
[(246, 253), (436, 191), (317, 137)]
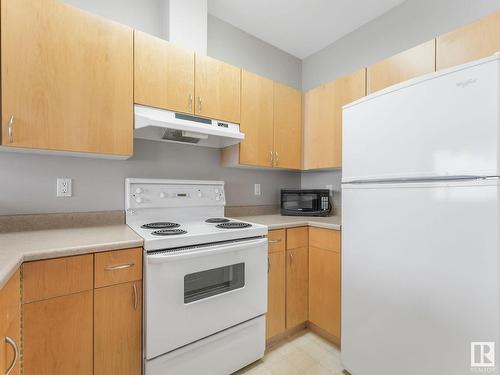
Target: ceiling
[(299, 27)]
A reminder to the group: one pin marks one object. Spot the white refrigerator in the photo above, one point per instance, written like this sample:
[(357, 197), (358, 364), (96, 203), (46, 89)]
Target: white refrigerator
[(421, 226)]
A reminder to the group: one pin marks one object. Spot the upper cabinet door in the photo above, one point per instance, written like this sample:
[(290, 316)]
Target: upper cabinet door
[(67, 79), (287, 127), (409, 64), (256, 120), (217, 89), (323, 119), (163, 74), (319, 131), (471, 42)]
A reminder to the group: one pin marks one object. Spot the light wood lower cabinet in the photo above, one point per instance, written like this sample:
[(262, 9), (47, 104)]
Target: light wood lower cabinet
[(296, 286), (117, 327), (72, 327), (58, 335), (275, 318), (324, 289), (10, 326)]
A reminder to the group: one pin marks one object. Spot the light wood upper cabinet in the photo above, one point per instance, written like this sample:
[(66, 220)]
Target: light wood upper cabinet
[(473, 41), (163, 74), (275, 317), (58, 335), (409, 64), (217, 89), (287, 127), (10, 325), (323, 119), (117, 327), (296, 287), (67, 79), (256, 120)]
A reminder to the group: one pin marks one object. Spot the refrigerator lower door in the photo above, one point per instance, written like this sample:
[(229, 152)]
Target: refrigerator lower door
[(420, 278)]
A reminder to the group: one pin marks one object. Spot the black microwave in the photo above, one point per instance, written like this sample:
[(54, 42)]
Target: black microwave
[(312, 202)]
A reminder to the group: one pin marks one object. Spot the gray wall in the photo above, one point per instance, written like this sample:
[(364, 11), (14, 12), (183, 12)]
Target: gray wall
[(405, 26), (29, 181), (144, 15), (227, 43)]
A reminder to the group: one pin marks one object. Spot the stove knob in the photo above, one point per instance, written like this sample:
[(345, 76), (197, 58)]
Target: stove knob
[(216, 191), (162, 195), (138, 191), (138, 200)]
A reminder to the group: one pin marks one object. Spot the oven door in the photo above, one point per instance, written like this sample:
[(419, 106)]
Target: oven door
[(300, 203), (196, 292)]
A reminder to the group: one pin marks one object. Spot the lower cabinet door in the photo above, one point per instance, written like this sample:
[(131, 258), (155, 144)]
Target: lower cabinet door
[(296, 286), (10, 326), (324, 289), (58, 334), (118, 329), (275, 318)]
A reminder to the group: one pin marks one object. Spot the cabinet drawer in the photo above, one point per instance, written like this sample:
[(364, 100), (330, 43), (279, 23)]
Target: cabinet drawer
[(327, 239), (276, 240), (296, 237), (57, 277), (120, 266)]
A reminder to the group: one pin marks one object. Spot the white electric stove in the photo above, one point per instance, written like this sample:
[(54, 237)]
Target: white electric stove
[(205, 278)]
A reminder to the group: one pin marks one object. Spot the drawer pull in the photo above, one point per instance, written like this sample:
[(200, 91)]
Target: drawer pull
[(12, 343), (119, 267), (10, 129), (275, 241), (135, 298)]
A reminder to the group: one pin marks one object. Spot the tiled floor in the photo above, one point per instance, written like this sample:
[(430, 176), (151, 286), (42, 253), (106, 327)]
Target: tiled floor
[(304, 354)]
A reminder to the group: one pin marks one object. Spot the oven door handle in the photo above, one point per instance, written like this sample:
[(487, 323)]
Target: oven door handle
[(206, 250)]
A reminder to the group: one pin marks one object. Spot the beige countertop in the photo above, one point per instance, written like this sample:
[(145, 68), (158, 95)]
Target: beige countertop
[(18, 247), (277, 221)]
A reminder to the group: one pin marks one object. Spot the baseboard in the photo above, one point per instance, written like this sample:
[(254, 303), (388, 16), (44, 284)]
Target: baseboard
[(326, 335), (278, 340)]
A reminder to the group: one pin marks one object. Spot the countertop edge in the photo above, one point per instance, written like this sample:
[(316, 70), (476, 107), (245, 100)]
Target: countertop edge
[(9, 268)]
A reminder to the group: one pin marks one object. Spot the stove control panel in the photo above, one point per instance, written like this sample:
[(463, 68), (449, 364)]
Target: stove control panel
[(142, 193)]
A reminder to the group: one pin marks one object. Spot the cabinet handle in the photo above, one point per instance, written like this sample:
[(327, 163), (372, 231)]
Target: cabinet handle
[(199, 104), (275, 241), (190, 105), (10, 129), (268, 264), (12, 343), (135, 297), (276, 157), (291, 257), (119, 267), (272, 158)]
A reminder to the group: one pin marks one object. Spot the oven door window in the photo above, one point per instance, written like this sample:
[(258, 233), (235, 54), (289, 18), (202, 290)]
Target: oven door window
[(205, 284), (301, 202)]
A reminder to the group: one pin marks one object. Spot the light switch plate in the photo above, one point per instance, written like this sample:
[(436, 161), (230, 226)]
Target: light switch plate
[(64, 188), (256, 190)]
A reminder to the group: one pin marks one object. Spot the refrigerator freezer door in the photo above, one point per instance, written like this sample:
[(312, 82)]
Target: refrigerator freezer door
[(443, 124), (420, 277)]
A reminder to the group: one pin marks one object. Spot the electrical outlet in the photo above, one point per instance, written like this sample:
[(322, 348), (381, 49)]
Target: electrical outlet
[(64, 188), (256, 189)]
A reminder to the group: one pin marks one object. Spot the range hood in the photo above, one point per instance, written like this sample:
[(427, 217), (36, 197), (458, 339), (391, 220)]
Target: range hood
[(167, 126)]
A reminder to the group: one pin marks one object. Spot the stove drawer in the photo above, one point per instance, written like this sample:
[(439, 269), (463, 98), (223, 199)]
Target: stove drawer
[(116, 267)]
